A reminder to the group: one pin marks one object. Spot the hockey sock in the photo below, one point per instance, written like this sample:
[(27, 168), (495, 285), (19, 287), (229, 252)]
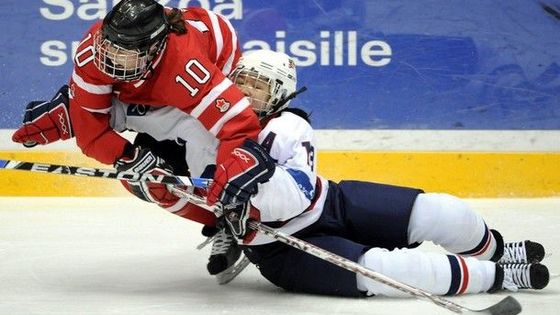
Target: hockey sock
[(437, 273)]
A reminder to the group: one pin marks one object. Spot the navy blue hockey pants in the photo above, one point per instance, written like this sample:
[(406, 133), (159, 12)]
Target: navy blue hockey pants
[(357, 216)]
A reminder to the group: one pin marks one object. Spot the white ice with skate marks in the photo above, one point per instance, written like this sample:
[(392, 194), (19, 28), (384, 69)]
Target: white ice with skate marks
[(124, 256)]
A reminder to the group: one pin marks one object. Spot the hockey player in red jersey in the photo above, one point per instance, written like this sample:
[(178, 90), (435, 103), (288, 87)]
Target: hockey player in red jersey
[(144, 54)]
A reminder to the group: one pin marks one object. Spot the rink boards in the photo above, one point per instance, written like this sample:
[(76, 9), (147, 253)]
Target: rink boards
[(427, 95), (464, 163)]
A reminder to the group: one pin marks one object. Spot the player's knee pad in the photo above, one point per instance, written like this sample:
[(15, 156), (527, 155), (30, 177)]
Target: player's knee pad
[(446, 220)]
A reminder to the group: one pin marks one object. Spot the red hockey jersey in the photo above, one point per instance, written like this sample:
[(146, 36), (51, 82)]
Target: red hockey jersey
[(190, 74)]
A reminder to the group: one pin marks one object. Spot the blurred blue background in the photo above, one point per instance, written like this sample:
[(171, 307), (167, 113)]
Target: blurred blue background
[(383, 64)]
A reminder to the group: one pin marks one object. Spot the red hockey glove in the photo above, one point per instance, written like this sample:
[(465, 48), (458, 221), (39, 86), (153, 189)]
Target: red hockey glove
[(142, 160), (236, 179), (45, 122)]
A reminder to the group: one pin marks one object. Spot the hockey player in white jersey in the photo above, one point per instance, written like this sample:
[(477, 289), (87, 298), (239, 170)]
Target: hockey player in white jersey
[(374, 224)]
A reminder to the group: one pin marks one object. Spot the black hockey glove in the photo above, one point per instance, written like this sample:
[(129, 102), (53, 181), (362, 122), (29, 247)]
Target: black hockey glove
[(236, 217), (142, 160)]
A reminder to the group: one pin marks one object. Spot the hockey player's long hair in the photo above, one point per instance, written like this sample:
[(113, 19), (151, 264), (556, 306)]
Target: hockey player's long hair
[(176, 22)]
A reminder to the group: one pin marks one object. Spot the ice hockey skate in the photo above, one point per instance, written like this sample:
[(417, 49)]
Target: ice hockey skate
[(525, 252), (513, 277), (226, 259)]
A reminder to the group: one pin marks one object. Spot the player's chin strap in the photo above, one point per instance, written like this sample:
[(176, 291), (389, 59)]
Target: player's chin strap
[(285, 100), (507, 306)]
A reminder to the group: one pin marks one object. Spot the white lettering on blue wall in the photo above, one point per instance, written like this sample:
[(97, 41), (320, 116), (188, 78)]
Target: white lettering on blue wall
[(88, 10), (337, 48)]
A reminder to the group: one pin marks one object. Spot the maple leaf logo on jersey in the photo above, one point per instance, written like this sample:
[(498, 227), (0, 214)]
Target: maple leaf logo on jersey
[(222, 105)]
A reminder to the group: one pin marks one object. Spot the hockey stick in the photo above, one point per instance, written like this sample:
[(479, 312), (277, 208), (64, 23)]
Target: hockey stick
[(507, 306), (104, 173)]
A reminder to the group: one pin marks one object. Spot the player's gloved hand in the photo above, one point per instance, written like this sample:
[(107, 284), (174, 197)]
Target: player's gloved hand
[(235, 218), (142, 160), (236, 179), (46, 122)]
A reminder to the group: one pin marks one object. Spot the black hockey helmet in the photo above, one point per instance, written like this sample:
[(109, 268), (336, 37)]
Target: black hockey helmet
[(133, 33), (135, 24)]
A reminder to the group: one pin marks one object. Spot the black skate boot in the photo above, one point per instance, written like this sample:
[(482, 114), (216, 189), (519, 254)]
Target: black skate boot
[(226, 260), (225, 253), (525, 252), (513, 277)]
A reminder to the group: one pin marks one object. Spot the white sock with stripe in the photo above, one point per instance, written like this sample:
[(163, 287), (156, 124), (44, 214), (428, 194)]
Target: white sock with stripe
[(436, 273)]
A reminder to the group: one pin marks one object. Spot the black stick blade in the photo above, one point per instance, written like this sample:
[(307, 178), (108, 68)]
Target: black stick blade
[(507, 306)]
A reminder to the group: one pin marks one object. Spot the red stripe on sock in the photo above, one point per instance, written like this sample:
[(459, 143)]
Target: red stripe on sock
[(465, 278), (485, 248)]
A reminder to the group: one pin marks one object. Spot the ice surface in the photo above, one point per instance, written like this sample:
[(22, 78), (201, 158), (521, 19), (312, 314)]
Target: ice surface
[(124, 256)]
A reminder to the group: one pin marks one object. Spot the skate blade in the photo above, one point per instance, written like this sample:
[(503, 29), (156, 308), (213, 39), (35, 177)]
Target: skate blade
[(229, 274)]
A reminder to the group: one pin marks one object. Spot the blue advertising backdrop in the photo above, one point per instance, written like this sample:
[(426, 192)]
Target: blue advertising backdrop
[(368, 64)]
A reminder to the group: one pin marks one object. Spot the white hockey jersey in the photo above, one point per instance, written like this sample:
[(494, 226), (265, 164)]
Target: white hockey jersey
[(290, 201), (295, 195)]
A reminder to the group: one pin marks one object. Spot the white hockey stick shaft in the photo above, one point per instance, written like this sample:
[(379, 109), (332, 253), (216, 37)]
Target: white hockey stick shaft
[(508, 306), (103, 173)]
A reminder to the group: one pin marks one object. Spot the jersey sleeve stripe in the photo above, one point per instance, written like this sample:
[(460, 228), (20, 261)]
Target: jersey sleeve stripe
[(218, 36), (236, 109), (97, 111), (91, 88), (210, 97), (229, 64)]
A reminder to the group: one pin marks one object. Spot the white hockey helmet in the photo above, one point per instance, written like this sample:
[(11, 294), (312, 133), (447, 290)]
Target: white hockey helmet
[(268, 78)]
